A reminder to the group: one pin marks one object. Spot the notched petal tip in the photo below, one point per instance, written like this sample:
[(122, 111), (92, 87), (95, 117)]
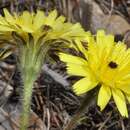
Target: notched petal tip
[(120, 101), (103, 97), (84, 85)]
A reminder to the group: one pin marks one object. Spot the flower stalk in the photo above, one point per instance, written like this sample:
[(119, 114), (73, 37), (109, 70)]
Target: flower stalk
[(31, 61), (29, 74), (28, 85), (88, 100)]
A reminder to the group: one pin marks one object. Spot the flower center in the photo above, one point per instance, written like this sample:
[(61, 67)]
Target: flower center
[(113, 65)]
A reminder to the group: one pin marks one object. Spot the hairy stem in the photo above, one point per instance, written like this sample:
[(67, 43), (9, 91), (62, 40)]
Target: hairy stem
[(29, 79), (31, 62)]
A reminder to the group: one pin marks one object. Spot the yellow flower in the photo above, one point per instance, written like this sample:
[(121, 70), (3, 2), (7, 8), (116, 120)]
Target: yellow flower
[(105, 63), (38, 24)]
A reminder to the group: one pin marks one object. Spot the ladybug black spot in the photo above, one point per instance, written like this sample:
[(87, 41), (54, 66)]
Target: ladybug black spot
[(113, 65)]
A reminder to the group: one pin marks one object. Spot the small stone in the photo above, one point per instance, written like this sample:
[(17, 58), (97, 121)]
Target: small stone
[(113, 24)]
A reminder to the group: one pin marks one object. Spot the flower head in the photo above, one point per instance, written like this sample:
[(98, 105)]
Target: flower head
[(34, 33), (38, 24), (105, 63)]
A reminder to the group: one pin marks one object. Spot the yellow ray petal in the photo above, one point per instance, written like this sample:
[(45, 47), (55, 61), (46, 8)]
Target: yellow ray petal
[(123, 85), (81, 48), (27, 17), (118, 52), (100, 37), (74, 30), (120, 101), (84, 85), (51, 18), (72, 59), (128, 97), (9, 17), (106, 48), (39, 19), (58, 26), (104, 96), (78, 70), (5, 28), (60, 19), (3, 21), (26, 21)]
